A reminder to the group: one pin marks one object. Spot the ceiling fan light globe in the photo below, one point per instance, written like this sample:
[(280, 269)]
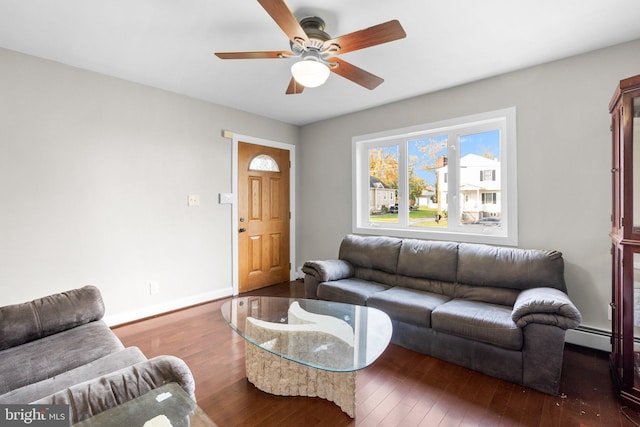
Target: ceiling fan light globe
[(310, 72)]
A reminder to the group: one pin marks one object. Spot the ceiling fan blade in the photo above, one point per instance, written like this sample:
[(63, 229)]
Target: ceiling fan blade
[(372, 36), (294, 87), (280, 12), (276, 54), (356, 74)]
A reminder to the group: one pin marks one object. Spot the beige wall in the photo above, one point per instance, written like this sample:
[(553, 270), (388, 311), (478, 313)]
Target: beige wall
[(95, 171), (94, 178), (563, 162)]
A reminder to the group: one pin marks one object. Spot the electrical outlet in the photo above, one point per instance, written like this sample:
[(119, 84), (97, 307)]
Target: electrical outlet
[(154, 288), (193, 200)]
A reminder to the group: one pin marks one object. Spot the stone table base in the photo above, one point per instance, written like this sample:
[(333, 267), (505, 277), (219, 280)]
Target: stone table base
[(277, 375)]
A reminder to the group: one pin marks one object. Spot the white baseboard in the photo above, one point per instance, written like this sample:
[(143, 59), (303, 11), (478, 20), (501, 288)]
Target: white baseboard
[(154, 310), (590, 337)]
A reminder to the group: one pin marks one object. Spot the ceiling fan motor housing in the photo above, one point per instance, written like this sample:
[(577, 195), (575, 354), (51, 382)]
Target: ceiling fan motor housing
[(314, 48), (313, 26)]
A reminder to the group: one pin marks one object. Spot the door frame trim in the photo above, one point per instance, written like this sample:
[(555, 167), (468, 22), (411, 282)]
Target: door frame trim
[(234, 208)]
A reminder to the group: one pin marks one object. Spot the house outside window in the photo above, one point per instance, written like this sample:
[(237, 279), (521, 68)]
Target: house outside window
[(477, 185), (450, 180), (381, 198)]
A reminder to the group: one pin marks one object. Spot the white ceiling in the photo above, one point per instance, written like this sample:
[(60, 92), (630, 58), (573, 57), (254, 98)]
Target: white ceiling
[(169, 44)]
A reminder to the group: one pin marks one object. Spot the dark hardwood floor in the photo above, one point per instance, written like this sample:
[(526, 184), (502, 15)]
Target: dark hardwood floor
[(402, 388)]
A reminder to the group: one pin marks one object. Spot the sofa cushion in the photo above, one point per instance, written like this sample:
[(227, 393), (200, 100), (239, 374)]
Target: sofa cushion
[(428, 285), (371, 252), (407, 305), (483, 265), (479, 321), (21, 323), (378, 276), (428, 259), (54, 354), (490, 294), (350, 291), (107, 364)]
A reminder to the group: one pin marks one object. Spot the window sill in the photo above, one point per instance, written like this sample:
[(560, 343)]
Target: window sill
[(449, 235)]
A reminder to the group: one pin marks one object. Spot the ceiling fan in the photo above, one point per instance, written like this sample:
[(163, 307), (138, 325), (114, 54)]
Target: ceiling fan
[(318, 51)]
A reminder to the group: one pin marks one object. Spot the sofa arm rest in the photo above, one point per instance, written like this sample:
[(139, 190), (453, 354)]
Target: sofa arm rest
[(328, 270), (29, 321), (92, 397), (546, 306)]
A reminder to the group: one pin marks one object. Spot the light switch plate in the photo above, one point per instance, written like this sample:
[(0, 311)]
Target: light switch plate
[(225, 198)]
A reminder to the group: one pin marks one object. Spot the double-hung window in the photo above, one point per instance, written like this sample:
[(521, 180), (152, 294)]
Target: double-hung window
[(450, 180), (488, 198), (488, 175)]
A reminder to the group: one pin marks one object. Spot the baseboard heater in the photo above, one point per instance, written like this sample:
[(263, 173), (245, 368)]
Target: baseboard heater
[(586, 336)]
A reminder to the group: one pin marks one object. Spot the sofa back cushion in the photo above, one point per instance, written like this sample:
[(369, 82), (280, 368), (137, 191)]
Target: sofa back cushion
[(53, 355), (371, 252), (428, 259), (371, 275), (21, 323), (501, 267), (488, 294), (427, 285)]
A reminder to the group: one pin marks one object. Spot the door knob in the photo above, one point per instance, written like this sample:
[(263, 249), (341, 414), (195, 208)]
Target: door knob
[(242, 230)]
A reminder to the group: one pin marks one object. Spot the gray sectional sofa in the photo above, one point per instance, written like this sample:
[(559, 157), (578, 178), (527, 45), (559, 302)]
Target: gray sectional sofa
[(501, 311), (57, 350)]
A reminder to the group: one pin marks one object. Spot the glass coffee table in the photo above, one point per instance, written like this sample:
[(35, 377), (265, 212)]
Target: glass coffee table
[(167, 405), (301, 347)]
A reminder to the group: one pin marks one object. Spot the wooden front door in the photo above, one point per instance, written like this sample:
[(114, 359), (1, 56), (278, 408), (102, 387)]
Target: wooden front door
[(263, 216)]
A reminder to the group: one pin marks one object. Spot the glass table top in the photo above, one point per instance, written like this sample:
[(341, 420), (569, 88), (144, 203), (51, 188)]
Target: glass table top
[(165, 405), (322, 334)]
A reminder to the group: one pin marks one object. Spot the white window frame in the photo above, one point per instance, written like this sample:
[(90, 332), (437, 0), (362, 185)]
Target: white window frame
[(507, 234)]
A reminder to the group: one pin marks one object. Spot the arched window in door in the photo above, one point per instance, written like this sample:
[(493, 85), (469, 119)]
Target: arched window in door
[(263, 162)]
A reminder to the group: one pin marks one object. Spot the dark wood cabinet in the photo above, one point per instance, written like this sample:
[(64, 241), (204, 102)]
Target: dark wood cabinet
[(625, 240)]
